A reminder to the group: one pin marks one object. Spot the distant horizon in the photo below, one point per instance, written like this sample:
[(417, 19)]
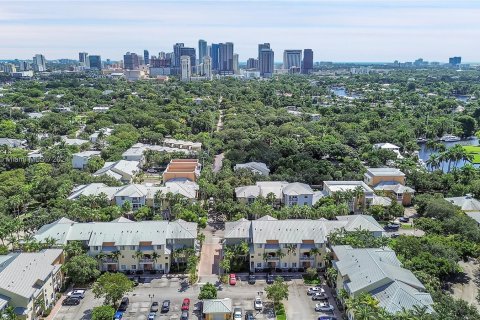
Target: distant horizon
[(341, 30)]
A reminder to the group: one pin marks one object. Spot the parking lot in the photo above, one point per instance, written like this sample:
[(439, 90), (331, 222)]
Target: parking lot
[(298, 306)]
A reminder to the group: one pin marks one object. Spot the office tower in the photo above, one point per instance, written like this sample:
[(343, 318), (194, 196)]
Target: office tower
[(307, 65), (83, 58), (176, 52), (39, 63), (146, 57), (236, 69), (207, 67), (24, 66), (225, 58), (162, 55), (266, 63), (131, 61), (252, 63), (209, 51), (186, 68), (95, 62), (292, 58), (9, 68), (202, 50), (261, 47), (215, 56), (455, 61), (184, 51)]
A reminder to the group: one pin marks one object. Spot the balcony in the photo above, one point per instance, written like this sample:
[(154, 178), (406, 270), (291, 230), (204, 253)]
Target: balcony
[(306, 258), (272, 247), (146, 260), (146, 248), (109, 260), (272, 258)]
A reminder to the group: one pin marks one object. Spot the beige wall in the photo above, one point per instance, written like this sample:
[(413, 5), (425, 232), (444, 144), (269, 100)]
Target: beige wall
[(377, 179)]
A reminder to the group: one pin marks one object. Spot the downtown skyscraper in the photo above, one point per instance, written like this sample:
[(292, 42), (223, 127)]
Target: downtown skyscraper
[(292, 59), (202, 50), (225, 58), (307, 65), (266, 63)]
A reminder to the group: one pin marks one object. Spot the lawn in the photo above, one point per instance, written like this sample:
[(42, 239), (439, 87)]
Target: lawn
[(474, 151)]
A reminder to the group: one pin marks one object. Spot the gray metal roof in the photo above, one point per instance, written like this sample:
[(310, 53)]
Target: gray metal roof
[(254, 166), (385, 172), (379, 272), (475, 215), (217, 306), (394, 186), (120, 232), (22, 275), (466, 203)]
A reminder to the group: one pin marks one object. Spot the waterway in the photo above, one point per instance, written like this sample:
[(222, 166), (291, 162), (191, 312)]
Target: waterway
[(424, 153), (343, 93)]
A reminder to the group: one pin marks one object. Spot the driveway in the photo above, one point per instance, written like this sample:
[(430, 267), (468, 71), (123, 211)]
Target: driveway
[(208, 268), (468, 287)]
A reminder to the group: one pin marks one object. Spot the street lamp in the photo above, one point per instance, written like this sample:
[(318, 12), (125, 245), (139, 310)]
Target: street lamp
[(151, 296)]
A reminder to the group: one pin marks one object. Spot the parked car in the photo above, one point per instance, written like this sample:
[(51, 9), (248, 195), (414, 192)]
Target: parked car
[(327, 318), (186, 304), (152, 315), (324, 307), (165, 306), (395, 235), (184, 315), (270, 279), (124, 304), (71, 302), (118, 315), (404, 219), (251, 279), (392, 227), (151, 170), (319, 296), (154, 306), (237, 314), (233, 279), (257, 303), (77, 293), (313, 290), (249, 315)]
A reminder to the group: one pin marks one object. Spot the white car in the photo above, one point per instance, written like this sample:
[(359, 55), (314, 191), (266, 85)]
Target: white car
[(324, 307), (313, 290), (257, 304), (237, 314), (78, 293)]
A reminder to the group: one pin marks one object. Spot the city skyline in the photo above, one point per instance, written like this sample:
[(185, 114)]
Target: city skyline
[(345, 30)]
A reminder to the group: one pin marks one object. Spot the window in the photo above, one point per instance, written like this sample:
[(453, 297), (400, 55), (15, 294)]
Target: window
[(259, 264), (132, 247), (123, 267), (133, 256), (294, 264), (95, 248), (134, 267), (123, 256), (294, 254), (159, 247), (319, 265), (259, 254), (122, 247), (306, 197), (252, 257), (259, 245), (285, 264)]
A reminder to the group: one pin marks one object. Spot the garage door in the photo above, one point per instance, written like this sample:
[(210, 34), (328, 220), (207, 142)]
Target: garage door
[(218, 317)]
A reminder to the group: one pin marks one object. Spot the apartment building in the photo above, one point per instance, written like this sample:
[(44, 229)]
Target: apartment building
[(390, 181), (137, 151), (29, 281), (362, 195), (125, 245), (188, 169), (378, 272), (292, 244), (121, 170), (80, 159), (255, 167)]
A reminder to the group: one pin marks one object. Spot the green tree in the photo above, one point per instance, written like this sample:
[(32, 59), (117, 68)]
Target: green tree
[(112, 287), (82, 269), (277, 291), (103, 313), (207, 291), (94, 164), (73, 248)]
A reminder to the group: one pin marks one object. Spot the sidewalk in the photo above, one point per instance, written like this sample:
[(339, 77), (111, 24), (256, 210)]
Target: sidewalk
[(55, 309)]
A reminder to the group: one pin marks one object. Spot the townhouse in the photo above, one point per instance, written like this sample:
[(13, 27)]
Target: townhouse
[(292, 244), (29, 281), (183, 169), (121, 170), (362, 196), (378, 271), (138, 195), (389, 146), (80, 159), (391, 181), (288, 194), (255, 167), (137, 151), (125, 245), (469, 205)]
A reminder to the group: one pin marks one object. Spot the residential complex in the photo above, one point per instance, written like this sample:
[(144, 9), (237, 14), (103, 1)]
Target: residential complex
[(469, 205), (292, 244), (183, 169), (391, 181), (80, 159), (137, 151), (121, 170), (255, 167), (124, 245), (29, 281), (379, 273)]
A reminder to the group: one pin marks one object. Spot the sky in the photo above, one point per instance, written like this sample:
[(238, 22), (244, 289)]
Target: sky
[(336, 30)]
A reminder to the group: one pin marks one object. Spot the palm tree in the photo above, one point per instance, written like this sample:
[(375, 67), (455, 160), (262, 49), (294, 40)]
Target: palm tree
[(115, 255), (433, 161), (358, 194), (50, 242), (155, 257), (280, 254), (315, 252)]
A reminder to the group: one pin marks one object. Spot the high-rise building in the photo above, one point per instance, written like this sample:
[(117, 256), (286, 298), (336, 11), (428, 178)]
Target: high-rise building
[(455, 61), (307, 65), (131, 61), (236, 69), (225, 58), (214, 54), (261, 47), (186, 68), (95, 62), (176, 52), (266, 63), (252, 63), (83, 59), (146, 57), (202, 50), (292, 58), (24, 66), (184, 51), (9, 68), (207, 67), (39, 63)]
